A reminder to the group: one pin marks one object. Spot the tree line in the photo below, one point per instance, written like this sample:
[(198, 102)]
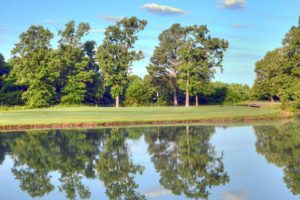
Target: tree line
[(180, 71)]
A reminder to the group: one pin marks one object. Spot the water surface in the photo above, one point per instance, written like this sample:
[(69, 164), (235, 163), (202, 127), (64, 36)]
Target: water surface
[(176, 162)]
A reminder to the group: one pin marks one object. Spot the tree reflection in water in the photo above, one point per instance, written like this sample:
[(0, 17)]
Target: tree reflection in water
[(186, 160), (281, 145), (183, 156), (75, 155), (116, 169)]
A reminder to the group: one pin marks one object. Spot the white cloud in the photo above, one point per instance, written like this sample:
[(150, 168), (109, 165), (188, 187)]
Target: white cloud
[(233, 4), (163, 9), (110, 18)]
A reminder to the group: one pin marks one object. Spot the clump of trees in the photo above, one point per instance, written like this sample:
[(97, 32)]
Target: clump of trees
[(39, 75), (186, 58), (278, 73), (180, 71), (139, 92), (115, 55), (142, 92), (67, 75)]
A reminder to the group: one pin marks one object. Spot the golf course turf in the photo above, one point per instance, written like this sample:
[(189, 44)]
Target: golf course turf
[(85, 116)]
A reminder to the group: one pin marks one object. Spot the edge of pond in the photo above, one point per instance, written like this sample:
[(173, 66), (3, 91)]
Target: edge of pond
[(209, 121)]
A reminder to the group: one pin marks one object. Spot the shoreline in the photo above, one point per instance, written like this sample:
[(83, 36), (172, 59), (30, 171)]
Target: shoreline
[(209, 121)]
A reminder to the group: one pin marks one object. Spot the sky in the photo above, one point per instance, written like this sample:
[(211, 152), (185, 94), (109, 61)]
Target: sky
[(252, 27)]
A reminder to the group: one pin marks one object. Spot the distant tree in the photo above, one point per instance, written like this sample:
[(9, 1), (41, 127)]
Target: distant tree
[(77, 68), (115, 56), (139, 92), (32, 66), (4, 67), (199, 88), (10, 93), (237, 93), (266, 85), (163, 69), (4, 70), (217, 93), (200, 54)]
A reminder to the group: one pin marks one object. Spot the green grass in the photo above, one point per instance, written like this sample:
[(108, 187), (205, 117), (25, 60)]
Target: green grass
[(85, 114)]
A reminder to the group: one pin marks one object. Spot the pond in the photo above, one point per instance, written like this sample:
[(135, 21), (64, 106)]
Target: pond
[(167, 162)]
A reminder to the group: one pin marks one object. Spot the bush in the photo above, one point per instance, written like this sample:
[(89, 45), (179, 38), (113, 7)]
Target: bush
[(138, 93)]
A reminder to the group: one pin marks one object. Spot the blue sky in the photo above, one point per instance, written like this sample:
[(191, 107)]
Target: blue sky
[(252, 27)]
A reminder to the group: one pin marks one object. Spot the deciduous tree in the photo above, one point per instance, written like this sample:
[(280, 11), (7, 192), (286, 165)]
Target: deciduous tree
[(115, 55), (200, 55), (76, 69), (31, 64), (163, 69)]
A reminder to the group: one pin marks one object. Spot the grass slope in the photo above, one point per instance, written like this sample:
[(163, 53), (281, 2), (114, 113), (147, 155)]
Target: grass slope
[(65, 115)]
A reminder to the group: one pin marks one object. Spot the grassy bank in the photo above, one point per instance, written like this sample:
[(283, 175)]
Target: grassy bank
[(57, 117)]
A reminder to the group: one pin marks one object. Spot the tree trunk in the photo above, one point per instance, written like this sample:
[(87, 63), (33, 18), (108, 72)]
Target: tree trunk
[(197, 101), (117, 101), (187, 95), (175, 97), (272, 99), (187, 92)]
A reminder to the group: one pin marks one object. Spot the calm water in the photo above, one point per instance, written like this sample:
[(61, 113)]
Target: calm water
[(179, 162)]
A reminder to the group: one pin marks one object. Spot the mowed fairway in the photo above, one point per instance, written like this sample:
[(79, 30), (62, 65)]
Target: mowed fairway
[(61, 115)]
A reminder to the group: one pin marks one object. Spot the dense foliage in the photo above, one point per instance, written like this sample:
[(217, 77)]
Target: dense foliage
[(163, 68), (115, 56), (10, 93), (47, 76), (180, 71), (278, 73), (139, 92), (186, 58)]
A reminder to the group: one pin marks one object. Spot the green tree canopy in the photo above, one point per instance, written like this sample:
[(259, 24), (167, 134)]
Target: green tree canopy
[(78, 68), (163, 69), (139, 92), (200, 54), (32, 65), (115, 55), (278, 74)]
